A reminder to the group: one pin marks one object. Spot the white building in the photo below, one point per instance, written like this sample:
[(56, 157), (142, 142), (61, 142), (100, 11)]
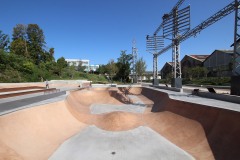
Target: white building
[(77, 62), (83, 62), (93, 67)]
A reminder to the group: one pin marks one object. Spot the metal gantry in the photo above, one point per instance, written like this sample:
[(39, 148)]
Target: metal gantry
[(211, 20), (236, 65), (134, 60), (179, 3), (154, 44), (179, 38), (175, 24), (235, 79)]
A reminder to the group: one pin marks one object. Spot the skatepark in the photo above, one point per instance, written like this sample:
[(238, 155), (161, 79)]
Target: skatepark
[(130, 122)]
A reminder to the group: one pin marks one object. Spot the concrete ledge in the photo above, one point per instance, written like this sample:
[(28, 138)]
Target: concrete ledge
[(168, 88), (222, 97), (13, 106), (209, 86)]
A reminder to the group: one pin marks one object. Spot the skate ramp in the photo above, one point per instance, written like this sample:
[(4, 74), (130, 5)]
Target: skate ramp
[(115, 145), (201, 131), (220, 126), (35, 133)]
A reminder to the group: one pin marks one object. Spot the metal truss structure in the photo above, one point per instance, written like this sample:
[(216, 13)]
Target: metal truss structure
[(179, 3), (134, 60), (170, 24), (154, 44), (235, 79), (211, 20), (175, 24), (236, 69)]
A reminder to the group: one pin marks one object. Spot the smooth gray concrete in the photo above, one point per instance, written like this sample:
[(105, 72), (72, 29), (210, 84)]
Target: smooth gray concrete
[(187, 97), (106, 108), (141, 143), (135, 99), (26, 102), (137, 107)]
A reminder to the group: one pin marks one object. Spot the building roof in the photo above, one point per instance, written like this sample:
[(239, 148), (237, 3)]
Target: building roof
[(223, 51), (199, 57), (167, 63), (170, 63)]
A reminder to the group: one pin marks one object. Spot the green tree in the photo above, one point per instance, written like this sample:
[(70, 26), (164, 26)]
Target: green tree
[(51, 54), (4, 41), (19, 44), (80, 67), (123, 65), (3, 60), (141, 67), (36, 41), (197, 72), (111, 69), (18, 47), (61, 64), (102, 69), (20, 32)]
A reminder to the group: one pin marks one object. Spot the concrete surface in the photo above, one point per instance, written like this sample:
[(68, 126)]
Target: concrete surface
[(107, 108), (187, 97), (204, 128), (141, 143), (26, 102), (136, 107)]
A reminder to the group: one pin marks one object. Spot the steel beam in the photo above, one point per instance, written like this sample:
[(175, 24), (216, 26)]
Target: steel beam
[(211, 20), (236, 65), (235, 79)]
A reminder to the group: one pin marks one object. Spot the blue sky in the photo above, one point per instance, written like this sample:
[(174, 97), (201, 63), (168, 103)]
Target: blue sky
[(99, 29)]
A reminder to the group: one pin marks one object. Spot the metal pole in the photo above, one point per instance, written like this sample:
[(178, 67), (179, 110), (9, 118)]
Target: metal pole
[(155, 62), (235, 37), (235, 88)]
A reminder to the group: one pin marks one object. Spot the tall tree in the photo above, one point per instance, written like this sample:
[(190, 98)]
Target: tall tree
[(81, 67), (111, 69), (19, 44), (61, 64), (102, 69), (4, 40), (20, 32), (36, 40), (141, 67), (123, 65)]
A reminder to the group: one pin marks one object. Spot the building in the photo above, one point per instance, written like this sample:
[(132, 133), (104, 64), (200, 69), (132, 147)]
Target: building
[(83, 62), (77, 62), (93, 67), (219, 63), (148, 75), (191, 61), (166, 70)]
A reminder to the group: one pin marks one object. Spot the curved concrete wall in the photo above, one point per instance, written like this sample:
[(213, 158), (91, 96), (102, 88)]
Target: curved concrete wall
[(221, 126), (36, 132)]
